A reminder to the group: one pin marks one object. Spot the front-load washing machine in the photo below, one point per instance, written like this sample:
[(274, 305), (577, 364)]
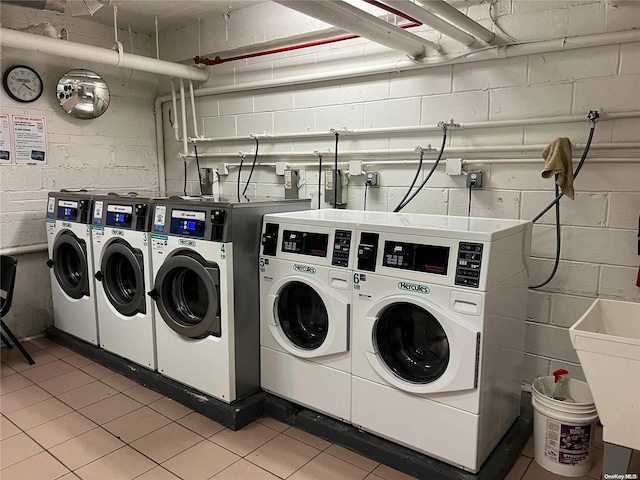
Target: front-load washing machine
[(70, 261), (204, 256), (122, 268), (305, 289), (439, 308)]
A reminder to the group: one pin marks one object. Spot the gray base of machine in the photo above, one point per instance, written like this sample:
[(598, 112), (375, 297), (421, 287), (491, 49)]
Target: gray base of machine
[(496, 467), (233, 416), (245, 411)]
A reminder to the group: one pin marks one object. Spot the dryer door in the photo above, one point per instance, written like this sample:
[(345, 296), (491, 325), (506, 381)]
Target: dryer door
[(305, 319), (122, 276), (187, 293), (415, 346), (70, 264)]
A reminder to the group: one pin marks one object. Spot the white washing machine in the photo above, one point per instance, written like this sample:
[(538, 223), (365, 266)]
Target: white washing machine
[(70, 261), (204, 256), (439, 309), (122, 268), (305, 289)]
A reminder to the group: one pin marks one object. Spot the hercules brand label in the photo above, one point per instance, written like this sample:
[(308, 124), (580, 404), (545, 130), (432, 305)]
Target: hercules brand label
[(187, 243), (304, 269), (414, 287), (66, 225), (117, 233)]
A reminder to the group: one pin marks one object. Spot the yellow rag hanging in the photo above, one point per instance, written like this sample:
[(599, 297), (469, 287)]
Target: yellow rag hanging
[(558, 161)]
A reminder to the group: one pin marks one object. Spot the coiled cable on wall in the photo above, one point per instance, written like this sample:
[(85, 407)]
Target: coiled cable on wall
[(184, 186), (593, 118), (413, 182), (335, 174), (195, 150), (253, 165), (239, 172), (319, 177), (433, 169)]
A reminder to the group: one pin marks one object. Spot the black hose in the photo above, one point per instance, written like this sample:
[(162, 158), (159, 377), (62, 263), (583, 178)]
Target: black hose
[(195, 149), (335, 175), (319, 178), (469, 207), (575, 174), (413, 183), (239, 172), (593, 116), (557, 259), (253, 165), (433, 169), (184, 187)]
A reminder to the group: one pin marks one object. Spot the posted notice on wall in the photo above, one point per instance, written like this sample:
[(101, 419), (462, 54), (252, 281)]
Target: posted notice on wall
[(6, 149), (30, 139)]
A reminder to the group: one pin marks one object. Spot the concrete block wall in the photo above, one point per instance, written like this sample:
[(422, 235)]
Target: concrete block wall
[(599, 253), (114, 151)]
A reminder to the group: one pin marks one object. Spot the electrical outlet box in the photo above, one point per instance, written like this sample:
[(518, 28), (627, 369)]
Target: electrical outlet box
[(475, 179), (335, 190), (372, 179), (291, 184)]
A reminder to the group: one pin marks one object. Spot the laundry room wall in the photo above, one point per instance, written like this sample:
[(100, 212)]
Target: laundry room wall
[(114, 151), (599, 253)]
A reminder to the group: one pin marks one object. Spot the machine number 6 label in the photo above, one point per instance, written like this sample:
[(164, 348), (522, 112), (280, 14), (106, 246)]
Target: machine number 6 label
[(356, 278)]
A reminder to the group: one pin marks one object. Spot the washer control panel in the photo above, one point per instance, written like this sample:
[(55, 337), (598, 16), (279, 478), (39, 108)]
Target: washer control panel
[(341, 248), (468, 265)]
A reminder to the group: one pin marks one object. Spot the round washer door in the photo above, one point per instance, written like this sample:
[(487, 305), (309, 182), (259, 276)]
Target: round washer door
[(302, 315), (122, 277), (418, 347), (411, 343), (187, 291), (70, 264)]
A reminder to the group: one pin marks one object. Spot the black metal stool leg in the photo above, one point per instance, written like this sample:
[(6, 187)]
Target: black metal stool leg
[(5, 340), (17, 343)]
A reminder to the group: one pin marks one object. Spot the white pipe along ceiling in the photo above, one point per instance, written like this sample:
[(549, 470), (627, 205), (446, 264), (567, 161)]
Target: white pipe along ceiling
[(352, 19), (455, 16), (431, 20), (64, 48)]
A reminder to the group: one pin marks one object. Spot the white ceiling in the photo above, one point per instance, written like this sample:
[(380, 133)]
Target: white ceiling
[(171, 13)]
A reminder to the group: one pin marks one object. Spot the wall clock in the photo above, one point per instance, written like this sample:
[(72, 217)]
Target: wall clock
[(22, 83)]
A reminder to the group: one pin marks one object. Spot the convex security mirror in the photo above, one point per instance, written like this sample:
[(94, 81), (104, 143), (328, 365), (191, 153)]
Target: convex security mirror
[(83, 94)]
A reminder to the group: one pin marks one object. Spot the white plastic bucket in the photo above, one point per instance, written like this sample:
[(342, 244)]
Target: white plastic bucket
[(563, 431)]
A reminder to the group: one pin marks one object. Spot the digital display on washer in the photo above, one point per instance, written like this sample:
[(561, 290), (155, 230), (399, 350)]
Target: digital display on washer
[(68, 210), (188, 223), (416, 257), (119, 216), (305, 243)]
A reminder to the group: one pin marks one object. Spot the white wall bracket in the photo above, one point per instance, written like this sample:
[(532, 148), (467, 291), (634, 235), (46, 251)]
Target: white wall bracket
[(454, 166), (355, 168), (281, 167)]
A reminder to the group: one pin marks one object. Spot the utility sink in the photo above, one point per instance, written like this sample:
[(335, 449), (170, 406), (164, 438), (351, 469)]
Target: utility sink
[(607, 339)]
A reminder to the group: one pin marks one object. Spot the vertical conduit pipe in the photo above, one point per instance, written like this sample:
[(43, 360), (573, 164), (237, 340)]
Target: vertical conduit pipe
[(193, 110), (183, 111), (175, 110)]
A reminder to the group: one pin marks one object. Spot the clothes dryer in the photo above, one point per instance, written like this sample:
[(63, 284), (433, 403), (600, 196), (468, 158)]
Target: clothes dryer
[(204, 256), (122, 268), (439, 309), (305, 289), (70, 259)]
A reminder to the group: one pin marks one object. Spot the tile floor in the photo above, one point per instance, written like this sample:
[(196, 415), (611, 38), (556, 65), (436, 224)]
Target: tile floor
[(67, 418)]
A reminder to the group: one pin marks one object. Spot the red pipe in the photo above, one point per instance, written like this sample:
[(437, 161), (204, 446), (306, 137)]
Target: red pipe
[(218, 60), (390, 9)]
